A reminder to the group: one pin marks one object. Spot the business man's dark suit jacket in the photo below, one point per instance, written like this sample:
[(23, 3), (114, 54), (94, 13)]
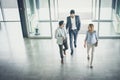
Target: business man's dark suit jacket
[(69, 24)]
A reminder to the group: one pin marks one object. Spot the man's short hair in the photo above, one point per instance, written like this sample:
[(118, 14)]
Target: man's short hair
[(61, 22), (72, 11)]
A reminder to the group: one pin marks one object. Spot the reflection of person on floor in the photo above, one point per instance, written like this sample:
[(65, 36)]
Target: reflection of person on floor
[(61, 37), (91, 40), (73, 25)]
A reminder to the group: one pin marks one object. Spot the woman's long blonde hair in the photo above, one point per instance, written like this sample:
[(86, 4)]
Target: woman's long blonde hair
[(91, 26)]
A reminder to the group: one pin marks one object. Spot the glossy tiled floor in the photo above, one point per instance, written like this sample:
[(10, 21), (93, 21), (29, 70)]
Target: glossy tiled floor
[(38, 59)]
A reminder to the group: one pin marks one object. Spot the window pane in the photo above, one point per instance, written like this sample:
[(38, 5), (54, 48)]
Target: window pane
[(1, 18), (10, 10), (54, 9), (44, 10), (95, 9), (107, 29), (106, 5)]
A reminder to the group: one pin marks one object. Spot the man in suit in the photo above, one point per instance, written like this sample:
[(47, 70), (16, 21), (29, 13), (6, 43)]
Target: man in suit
[(73, 26), (61, 36)]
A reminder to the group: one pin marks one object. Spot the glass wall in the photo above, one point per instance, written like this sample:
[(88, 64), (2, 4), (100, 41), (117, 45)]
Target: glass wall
[(103, 15), (82, 8), (99, 10), (40, 14), (54, 10), (9, 18), (106, 5), (10, 12), (44, 10), (95, 9), (118, 8), (10, 26), (116, 15), (1, 14)]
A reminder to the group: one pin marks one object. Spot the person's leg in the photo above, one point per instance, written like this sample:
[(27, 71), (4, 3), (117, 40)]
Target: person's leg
[(92, 53), (61, 52), (75, 37), (65, 46), (71, 41), (88, 50)]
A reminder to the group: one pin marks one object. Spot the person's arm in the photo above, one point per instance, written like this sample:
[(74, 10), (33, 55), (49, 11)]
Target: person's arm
[(79, 23), (84, 43), (85, 40), (96, 36), (65, 33), (56, 34), (67, 23)]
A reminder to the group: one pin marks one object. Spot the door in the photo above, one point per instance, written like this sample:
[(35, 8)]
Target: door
[(38, 14)]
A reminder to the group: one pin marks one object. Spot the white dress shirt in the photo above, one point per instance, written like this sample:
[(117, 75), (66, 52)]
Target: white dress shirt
[(73, 23)]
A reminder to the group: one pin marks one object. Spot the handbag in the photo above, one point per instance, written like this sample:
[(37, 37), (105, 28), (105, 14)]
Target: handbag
[(96, 44)]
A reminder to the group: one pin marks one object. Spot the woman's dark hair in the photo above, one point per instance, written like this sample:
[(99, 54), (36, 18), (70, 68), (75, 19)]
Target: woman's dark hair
[(61, 22), (72, 11)]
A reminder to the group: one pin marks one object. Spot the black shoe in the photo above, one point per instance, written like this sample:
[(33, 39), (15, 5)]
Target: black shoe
[(64, 51), (71, 52), (88, 58), (62, 61), (75, 46), (91, 66)]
